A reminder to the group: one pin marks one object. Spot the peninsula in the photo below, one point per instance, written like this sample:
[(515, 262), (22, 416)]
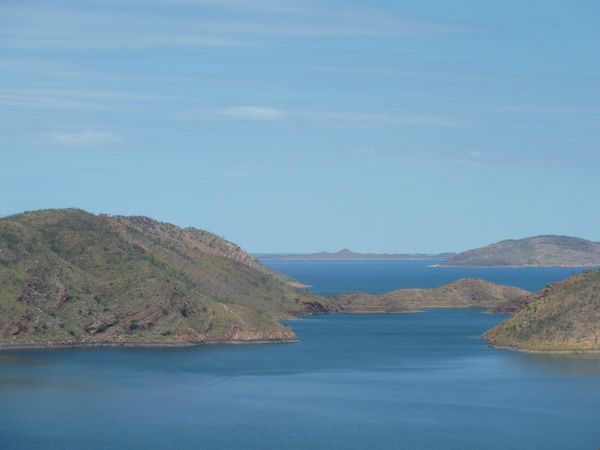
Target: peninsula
[(565, 316)]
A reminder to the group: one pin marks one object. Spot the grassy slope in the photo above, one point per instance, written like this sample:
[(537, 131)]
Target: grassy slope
[(534, 251), (69, 277), (564, 316), (463, 293)]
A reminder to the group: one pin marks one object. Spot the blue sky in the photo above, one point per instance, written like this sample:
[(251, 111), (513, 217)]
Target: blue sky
[(297, 125)]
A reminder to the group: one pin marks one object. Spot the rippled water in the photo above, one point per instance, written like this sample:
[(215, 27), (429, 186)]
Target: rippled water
[(389, 381)]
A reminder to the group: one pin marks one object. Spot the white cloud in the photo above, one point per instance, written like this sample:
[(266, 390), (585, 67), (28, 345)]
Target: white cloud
[(252, 113), (476, 154), (83, 138)]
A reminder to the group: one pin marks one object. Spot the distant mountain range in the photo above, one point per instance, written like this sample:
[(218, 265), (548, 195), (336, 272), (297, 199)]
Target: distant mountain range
[(347, 254), (536, 251)]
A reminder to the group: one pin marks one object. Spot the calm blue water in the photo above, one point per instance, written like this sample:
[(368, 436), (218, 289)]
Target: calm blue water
[(376, 277), (390, 381)]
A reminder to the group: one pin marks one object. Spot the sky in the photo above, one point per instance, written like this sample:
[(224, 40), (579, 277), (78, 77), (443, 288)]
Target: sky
[(300, 126)]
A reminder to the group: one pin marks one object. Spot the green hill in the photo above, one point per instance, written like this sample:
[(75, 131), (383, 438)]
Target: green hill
[(563, 317), (68, 277), (465, 293), (532, 251)]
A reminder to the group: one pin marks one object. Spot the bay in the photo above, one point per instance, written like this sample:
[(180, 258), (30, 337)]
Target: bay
[(377, 381)]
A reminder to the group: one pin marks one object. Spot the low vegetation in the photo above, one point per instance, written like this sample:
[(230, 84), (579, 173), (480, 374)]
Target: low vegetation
[(533, 251), (465, 293), (563, 317), (68, 277)]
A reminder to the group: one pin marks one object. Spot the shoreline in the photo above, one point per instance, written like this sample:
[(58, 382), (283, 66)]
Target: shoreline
[(149, 344), (529, 266), (187, 344), (541, 352)]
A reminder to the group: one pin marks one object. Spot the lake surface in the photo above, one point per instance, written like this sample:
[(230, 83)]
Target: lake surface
[(389, 381), (376, 277)]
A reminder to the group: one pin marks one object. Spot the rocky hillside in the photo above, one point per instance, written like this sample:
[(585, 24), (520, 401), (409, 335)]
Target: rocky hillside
[(563, 317), (468, 292), (533, 251), (68, 277)]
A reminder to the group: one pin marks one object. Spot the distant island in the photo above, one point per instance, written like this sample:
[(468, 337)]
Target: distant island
[(536, 251), (563, 317), (347, 254)]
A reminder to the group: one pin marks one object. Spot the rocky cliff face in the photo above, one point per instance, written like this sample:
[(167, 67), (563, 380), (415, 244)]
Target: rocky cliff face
[(68, 277)]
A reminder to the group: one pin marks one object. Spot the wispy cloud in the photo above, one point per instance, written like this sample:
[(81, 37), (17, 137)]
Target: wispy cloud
[(381, 119), (446, 157), (434, 156), (86, 138), (36, 25), (329, 118), (72, 97), (252, 113)]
